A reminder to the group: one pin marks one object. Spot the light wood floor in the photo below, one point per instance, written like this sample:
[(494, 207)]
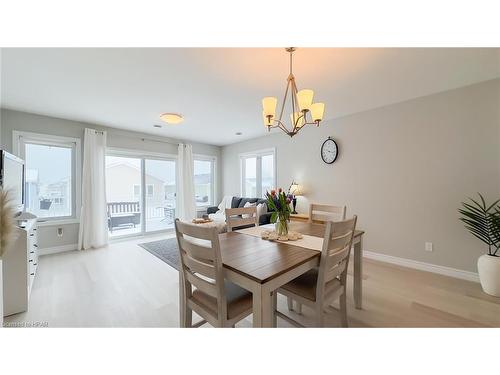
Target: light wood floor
[(125, 286)]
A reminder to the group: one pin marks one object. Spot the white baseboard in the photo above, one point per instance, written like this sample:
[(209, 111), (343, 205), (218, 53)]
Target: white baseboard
[(57, 249), (415, 264), (422, 266)]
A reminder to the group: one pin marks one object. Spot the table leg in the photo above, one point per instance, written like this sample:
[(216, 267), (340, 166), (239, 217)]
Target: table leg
[(274, 308), (358, 273), (262, 308)]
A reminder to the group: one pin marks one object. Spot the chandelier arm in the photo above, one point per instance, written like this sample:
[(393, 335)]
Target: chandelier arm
[(284, 99), (312, 123), (279, 124), (294, 94), (296, 120)]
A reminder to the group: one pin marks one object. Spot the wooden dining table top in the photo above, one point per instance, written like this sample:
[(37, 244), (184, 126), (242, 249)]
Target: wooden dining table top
[(262, 260)]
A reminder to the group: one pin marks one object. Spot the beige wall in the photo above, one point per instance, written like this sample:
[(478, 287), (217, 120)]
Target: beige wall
[(22, 121), (404, 169)]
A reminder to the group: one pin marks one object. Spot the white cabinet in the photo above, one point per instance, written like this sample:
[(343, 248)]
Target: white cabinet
[(19, 265)]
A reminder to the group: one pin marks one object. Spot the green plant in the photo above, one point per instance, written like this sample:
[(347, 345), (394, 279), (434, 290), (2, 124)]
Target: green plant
[(483, 222), (279, 203)]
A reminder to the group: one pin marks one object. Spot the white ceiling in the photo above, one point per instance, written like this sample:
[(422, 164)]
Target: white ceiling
[(218, 90)]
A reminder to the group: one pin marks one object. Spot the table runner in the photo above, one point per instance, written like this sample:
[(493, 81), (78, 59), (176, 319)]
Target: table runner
[(307, 242)]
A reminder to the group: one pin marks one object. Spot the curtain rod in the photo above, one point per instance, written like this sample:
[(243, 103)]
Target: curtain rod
[(156, 140), (143, 138)]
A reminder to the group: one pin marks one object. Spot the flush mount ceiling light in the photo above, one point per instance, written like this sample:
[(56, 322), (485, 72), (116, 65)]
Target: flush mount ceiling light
[(171, 118), (304, 111)]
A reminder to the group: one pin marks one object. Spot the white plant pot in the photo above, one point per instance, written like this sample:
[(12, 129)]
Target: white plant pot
[(489, 274)]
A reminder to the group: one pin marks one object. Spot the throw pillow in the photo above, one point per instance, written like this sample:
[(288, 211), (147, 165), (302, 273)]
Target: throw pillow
[(248, 204), (261, 209)]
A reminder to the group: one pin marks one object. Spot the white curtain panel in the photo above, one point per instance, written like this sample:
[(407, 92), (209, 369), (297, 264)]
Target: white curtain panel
[(186, 204), (93, 219)]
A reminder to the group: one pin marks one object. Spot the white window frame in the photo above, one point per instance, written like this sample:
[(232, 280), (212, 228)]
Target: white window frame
[(213, 179), (20, 138), (258, 154)]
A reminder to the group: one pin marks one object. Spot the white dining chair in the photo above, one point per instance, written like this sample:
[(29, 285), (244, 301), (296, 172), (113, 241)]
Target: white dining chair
[(239, 217), (321, 286), (325, 212), (202, 285), (320, 213)]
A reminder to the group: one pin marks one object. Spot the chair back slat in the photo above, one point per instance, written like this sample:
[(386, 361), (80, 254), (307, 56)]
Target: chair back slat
[(336, 270), (202, 284), (323, 212), (335, 254), (338, 243), (196, 266), (196, 251), (336, 257), (235, 218), (196, 231)]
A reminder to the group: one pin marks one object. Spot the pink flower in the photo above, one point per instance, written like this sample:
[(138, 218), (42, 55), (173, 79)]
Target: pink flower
[(280, 190), (273, 192)]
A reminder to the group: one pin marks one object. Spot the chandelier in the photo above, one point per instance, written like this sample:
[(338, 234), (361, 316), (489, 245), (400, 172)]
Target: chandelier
[(304, 111)]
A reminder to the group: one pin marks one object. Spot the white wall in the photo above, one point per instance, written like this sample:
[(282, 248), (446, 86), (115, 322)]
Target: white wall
[(403, 169), (22, 121)]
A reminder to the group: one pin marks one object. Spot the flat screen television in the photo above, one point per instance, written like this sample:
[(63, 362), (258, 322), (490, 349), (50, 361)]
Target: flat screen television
[(12, 178)]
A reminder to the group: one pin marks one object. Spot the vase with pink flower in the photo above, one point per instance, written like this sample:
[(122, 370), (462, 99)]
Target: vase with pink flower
[(279, 203)]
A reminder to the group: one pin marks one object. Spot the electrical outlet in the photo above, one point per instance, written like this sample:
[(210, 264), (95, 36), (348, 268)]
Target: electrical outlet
[(428, 246), (60, 232)]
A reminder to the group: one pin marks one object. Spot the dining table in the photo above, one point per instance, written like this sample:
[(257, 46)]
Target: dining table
[(262, 266)]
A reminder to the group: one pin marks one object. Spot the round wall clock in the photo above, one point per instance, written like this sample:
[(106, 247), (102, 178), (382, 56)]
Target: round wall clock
[(329, 151)]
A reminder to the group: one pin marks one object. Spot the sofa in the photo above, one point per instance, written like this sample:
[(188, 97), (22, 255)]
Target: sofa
[(238, 202)]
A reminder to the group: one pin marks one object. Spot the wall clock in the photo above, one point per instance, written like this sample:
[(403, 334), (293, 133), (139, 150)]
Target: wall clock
[(329, 151)]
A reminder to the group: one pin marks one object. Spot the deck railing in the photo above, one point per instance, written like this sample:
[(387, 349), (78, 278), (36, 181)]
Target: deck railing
[(152, 212)]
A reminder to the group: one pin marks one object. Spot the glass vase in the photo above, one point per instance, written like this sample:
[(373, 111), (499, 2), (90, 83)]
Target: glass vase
[(281, 226)]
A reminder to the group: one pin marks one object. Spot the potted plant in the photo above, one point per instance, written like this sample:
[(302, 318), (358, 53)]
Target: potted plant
[(279, 203), (7, 227), (483, 222)]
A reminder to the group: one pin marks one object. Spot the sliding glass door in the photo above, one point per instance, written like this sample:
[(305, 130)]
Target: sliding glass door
[(123, 192), (160, 194), (140, 194)]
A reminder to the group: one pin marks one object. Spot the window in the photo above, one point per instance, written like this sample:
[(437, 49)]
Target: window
[(204, 181), (52, 174), (137, 190), (258, 173), (150, 190)]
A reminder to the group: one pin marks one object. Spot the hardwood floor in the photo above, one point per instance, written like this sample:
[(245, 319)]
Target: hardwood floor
[(123, 285)]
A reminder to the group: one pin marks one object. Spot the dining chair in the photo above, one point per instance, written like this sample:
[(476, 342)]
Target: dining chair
[(243, 216), (201, 280), (319, 287), (321, 213), (324, 212)]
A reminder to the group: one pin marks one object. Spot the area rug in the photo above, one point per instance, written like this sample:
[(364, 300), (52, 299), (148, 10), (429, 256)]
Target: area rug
[(167, 250)]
